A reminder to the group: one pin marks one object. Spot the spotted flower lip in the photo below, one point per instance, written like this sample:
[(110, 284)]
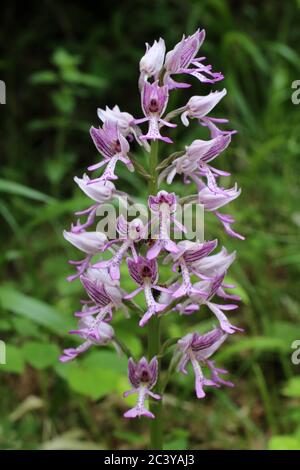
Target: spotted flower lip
[(163, 207), (154, 102), (197, 349), (142, 377), (144, 272), (95, 328), (151, 63)]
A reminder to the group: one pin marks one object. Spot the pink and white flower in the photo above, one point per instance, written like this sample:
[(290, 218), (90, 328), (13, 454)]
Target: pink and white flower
[(197, 349), (142, 376)]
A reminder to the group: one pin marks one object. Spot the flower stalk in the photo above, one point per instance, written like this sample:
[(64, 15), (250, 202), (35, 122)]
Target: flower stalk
[(154, 336)]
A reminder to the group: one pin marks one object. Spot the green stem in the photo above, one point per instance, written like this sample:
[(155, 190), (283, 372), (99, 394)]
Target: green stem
[(156, 425), (156, 428), (153, 164)]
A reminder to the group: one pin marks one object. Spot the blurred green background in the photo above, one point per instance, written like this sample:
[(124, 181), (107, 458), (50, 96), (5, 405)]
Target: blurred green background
[(61, 61)]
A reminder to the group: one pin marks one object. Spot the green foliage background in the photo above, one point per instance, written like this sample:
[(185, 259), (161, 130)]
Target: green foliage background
[(60, 61)]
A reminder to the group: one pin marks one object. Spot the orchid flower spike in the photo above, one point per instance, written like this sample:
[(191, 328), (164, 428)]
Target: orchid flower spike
[(176, 274)]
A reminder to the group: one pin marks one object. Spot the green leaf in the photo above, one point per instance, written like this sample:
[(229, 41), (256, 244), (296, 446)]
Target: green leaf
[(25, 327), (179, 443), (80, 78), (64, 59), (257, 344), (96, 375), (35, 310), (10, 219), (106, 360), (5, 325), (56, 209), (286, 52), (43, 77), (55, 169), (14, 360), (64, 101), (244, 42), (283, 329), (40, 355), (284, 443), (17, 189), (292, 388), (179, 440)]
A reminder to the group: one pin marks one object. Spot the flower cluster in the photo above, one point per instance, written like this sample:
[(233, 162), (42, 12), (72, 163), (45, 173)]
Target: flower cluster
[(199, 271)]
